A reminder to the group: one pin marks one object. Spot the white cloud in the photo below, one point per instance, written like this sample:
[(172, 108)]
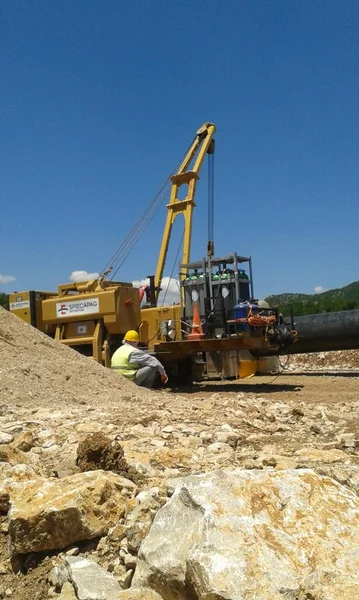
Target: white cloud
[(6, 279), (319, 289), (82, 276), (139, 282), (170, 289)]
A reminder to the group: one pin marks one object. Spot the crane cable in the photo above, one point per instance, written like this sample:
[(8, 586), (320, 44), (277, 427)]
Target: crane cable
[(158, 330), (210, 200), (137, 230)]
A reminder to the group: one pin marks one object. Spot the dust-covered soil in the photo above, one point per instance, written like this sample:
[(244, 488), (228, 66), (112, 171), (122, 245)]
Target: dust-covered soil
[(51, 398), (309, 386)]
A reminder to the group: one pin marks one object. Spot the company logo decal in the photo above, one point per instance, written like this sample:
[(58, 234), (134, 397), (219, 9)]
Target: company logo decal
[(78, 307)]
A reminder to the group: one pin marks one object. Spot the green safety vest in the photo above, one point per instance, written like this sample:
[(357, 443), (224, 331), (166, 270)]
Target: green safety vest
[(120, 361)]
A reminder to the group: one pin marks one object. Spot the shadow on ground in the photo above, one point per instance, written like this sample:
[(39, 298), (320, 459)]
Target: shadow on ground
[(234, 387), (349, 374)]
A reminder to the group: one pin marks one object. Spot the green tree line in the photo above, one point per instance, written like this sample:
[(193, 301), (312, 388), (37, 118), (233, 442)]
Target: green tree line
[(345, 298), (3, 300), (312, 308)]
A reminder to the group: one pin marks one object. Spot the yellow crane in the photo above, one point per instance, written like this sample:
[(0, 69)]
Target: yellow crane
[(93, 316), (186, 175)]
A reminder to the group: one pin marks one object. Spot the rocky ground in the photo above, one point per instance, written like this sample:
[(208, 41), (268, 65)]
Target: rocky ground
[(53, 400)]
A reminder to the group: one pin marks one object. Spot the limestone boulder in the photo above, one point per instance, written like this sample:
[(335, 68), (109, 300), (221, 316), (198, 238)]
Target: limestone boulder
[(46, 514), (58, 577), (139, 521), (6, 438), (235, 535), (67, 592), (24, 441), (12, 455), (10, 479), (313, 455), (91, 582)]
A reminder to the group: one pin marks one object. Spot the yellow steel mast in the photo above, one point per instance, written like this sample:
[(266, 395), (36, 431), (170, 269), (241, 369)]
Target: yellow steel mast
[(203, 144)]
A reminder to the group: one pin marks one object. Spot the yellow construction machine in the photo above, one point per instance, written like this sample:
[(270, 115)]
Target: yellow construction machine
[(215, 319), (93, 316), (86, 316), (28, 306)]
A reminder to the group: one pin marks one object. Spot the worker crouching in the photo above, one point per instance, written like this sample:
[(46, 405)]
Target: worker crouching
[(135, 364)]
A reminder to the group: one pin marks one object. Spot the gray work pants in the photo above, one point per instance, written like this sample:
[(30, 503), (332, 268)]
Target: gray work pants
[(145, 376)]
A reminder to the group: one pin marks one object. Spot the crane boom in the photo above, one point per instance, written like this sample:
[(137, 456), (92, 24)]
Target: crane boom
[(203, 144)]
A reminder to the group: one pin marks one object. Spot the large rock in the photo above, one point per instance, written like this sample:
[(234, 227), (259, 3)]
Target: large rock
[(24, 441), (91, 581), (272, 535), (6, 438), (138, 523), (10, 479), (12, 455), (49, 514), (312, 455), (67, 592)]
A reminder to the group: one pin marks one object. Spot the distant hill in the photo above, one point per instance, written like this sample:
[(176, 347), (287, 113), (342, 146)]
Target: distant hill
[(345, 298)]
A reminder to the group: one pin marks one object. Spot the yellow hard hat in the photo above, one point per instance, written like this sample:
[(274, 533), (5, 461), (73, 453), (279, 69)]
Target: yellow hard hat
[(132, 336)]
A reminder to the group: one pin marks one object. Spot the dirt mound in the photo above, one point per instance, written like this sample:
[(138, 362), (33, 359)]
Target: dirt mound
[(36, 370)]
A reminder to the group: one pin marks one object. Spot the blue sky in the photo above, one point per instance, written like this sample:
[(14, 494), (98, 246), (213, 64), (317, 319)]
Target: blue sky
[(100, 98)]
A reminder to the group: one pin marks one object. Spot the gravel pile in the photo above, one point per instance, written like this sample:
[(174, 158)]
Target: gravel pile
[(37, 370)]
